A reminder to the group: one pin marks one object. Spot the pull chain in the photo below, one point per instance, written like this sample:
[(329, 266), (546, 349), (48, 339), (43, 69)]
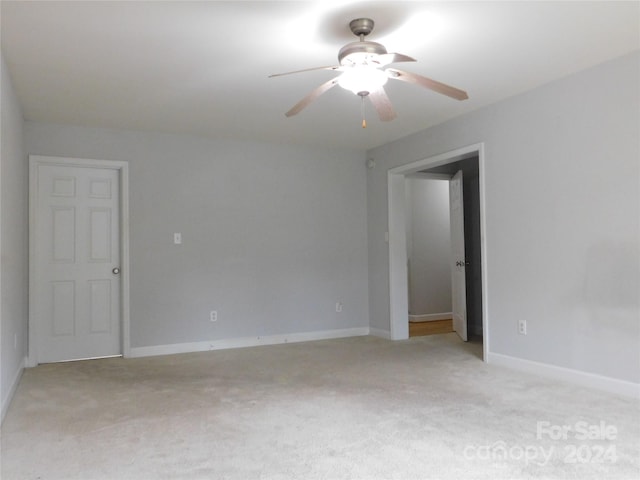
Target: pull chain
[(364, 121)]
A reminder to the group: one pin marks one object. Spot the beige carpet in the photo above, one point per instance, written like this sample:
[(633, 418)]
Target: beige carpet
[(356, 408)]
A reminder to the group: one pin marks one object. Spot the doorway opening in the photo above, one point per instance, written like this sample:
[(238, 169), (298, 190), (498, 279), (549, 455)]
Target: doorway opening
[(471, 266), (428, 222)]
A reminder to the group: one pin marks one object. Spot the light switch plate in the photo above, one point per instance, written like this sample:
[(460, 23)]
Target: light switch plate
[(177, 238)]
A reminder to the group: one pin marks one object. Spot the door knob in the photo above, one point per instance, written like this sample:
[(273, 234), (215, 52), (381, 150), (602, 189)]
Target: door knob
[(116, 271)]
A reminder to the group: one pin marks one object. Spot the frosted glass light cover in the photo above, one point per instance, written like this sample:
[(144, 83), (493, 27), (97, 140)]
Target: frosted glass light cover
[(362, 78)]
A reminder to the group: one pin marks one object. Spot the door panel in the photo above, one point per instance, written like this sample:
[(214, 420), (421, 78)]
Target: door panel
[(77, 296), (63, 317), (63, 241), (100, 306), (458, 282), (100, 238)]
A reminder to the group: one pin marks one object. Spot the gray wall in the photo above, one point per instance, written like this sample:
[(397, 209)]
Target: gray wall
[(428, 246), (562, 218), (14, 285), (273, 235)]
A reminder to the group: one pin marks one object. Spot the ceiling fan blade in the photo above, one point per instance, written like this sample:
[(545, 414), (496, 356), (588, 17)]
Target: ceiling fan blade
[(311, 97), (382, 104), (425, 82), (334, 67), (387, 58)]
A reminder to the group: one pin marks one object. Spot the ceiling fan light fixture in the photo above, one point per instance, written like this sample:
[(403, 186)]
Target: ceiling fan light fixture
[(361, 64), (362, 79)]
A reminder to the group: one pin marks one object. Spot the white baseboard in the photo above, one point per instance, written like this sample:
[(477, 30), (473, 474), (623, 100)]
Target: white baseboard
[(6, 401), (430, 317), (378, 332), (599, 382), (242, 342)]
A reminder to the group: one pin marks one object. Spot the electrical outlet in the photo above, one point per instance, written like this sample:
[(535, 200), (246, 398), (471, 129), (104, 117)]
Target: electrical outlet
[(213, 316), (522, 327), (338, 307)]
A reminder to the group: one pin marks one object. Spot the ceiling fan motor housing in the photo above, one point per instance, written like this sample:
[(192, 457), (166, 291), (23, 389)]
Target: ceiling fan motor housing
[(357, 52)]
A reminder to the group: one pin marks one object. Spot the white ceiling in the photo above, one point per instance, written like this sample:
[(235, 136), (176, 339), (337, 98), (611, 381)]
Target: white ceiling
[(201, 67)]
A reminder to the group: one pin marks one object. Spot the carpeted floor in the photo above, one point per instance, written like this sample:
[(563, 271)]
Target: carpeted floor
[(355, 408)]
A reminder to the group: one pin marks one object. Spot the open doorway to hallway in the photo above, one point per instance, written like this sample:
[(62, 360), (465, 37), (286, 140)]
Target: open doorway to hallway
[(429, 253), (428, 233), (421, 272)]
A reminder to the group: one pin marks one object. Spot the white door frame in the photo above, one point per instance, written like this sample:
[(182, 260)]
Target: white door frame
[(398, 288), (123, 169)]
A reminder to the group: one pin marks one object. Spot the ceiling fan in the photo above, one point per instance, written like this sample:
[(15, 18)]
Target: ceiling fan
[(361, 64)]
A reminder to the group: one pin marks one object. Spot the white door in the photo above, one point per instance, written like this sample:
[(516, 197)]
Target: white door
[(77, 256), (458, 285)]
